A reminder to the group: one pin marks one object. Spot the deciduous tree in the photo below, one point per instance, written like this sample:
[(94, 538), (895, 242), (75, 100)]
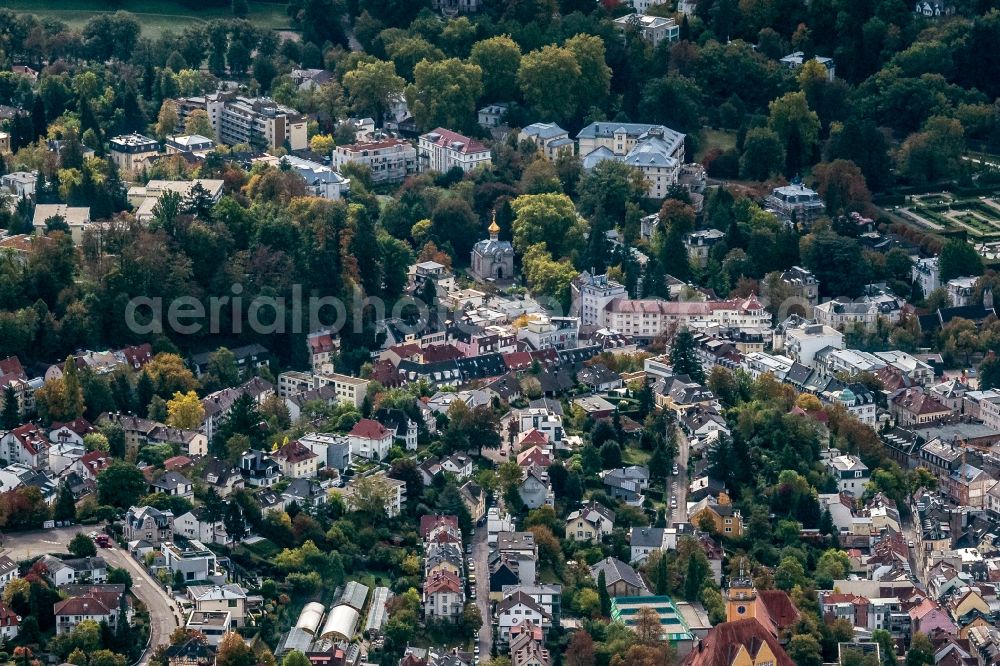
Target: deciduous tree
[(185, 411), (371, 87), (499, 58), (548, 79)]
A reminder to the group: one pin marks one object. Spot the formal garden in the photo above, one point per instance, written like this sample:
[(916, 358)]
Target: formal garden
[(979, 217)]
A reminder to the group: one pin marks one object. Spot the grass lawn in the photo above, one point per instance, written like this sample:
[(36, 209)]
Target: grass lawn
[(712, 138), (155, 16), (633, 455)]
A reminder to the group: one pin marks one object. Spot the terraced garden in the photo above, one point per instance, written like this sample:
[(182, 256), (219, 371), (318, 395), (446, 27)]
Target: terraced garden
[(978, 217)]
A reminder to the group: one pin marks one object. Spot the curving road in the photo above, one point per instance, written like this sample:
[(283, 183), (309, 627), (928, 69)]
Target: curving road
[(162, 617)]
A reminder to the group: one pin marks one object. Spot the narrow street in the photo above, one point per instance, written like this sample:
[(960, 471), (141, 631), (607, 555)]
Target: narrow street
[(162, 617), (680, 480), (480, 555)]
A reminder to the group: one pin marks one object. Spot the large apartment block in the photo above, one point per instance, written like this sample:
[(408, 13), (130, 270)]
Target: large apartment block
[(390, 160), (442, 150), (237, 119)]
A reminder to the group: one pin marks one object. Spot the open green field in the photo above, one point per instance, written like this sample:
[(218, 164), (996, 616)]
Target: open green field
[(156, 16), (711, 138)]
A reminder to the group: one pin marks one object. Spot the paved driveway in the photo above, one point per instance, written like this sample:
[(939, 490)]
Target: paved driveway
[(163, 618)]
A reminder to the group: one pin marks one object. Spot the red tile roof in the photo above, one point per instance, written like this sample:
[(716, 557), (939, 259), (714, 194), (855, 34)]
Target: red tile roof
[(176, 462), (294, 451), (31, 438), (87, 605), (431, 521), (442, 581), (80, 426), (369, 429), (321, 343), (12, 366), (533, 437), (517, 360), (780, 607), (724, 641), (439, 353), (917, 402), (8, 618), (446, 138), (138, 355), (95, 461)]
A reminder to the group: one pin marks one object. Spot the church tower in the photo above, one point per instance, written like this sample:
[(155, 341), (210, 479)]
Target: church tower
[(741, 598), (494, 227)]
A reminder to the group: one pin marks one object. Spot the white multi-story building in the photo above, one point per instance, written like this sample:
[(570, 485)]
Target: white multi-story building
[(349, 390), (251, 120), (797, 201), (389, 160), (961, 290), (20, 183), (647, 319), (321, 180), (851, 474), (760, 363), (591, 296), (857, 400), (643, 6), (538, 418), (848, 361), (544, 332), (442, 150), (801, 342), (653, 29), (920, 372), (927, 274), (130, 152), (551, 139), (656, 151)]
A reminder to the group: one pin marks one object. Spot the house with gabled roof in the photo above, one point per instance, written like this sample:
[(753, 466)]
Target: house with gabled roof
[(536, 488), (370, 439), (173, 484), (621, 579), (534, 456), (296, 460), (75, 570), (517, 609), (221, 477), (149, 524), (443, 596), (71, 432), (26, 444), (590, 523), (474, 498), (69, 613), (403, 428)]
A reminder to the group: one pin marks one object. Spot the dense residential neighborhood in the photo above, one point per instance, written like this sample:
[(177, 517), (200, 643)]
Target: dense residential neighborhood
[(499, 333)]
